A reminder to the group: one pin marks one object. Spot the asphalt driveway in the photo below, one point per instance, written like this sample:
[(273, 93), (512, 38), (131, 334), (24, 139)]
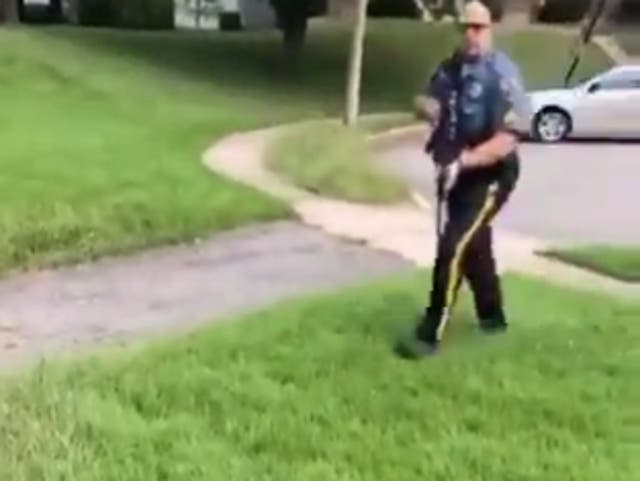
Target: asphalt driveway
[(570, 192)]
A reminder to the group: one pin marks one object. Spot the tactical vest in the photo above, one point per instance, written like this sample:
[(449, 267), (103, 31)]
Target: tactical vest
[(472, 109)]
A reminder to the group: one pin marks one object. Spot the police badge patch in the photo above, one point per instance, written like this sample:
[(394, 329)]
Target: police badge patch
[(475, 89)]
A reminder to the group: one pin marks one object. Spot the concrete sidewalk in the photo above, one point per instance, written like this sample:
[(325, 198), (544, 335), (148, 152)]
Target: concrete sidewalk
[(173, 289)]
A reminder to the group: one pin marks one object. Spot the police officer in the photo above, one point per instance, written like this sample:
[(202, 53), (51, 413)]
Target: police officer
[(473, 101)]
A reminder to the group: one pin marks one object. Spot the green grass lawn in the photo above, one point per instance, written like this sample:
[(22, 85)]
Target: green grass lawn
[(102, 153), (334, 161), (310, 390), (102, 130), (621, 262)]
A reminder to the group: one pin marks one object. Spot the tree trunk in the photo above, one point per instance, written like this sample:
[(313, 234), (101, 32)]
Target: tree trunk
[(55, 9), (355, 65), (292, 19), (9, 11), (294, 32)]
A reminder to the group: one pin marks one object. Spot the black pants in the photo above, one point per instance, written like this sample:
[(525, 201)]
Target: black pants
[(465, 249)]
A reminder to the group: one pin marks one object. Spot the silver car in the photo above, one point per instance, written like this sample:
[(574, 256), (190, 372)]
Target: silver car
[(606, 106)]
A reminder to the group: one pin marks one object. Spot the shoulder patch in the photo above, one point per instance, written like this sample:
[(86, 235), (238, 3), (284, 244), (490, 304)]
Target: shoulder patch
[(508, 86)]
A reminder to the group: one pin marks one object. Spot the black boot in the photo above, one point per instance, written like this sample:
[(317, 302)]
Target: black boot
[(492, 326), (422, 342), (426, 332)]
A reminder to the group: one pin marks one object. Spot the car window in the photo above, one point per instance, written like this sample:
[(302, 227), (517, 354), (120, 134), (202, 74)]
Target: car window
[(621, 80)]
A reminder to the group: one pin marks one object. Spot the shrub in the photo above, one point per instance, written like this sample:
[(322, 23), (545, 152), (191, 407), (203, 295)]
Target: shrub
[(95, 12), (393, 8), (154, 14), (629, 12), (145, 13), (41, 13), (563, 11)]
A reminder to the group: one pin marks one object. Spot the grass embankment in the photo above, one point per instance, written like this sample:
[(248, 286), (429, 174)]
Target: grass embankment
[(334, 161), (620, 262), (101, 152), (310, 390), (102, 131)]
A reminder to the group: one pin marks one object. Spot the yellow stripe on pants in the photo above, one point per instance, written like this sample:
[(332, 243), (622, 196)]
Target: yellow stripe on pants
[(454, 267)]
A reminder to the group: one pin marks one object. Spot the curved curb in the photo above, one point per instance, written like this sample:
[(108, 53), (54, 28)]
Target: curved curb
[(610, 46), (406, 229), (397, 134)]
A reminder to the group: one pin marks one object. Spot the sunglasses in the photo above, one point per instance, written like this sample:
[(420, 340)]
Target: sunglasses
[(477, 27)]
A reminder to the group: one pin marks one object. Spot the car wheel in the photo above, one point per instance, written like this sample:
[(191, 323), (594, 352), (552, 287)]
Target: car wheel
[(551, 125)]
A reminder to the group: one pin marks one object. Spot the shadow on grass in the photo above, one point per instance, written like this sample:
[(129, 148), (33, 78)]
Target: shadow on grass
[(254, 63)]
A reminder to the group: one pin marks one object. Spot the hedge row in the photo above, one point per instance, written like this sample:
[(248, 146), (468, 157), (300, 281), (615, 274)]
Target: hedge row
[(41, 13), (629, 11), (562, 11), (150, 14), (393, 8)]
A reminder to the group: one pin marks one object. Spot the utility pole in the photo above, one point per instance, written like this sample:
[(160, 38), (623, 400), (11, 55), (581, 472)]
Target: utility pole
[(354, 78)]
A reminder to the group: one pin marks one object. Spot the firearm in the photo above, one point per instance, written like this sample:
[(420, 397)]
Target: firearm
[(445, 148)]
